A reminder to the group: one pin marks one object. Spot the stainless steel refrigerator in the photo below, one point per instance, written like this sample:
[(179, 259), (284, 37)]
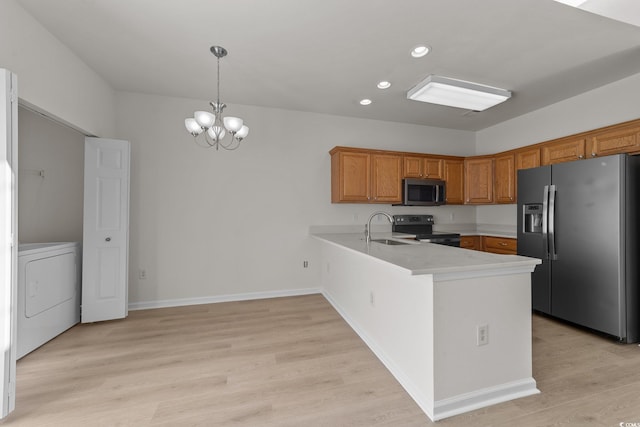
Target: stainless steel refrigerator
[(581, 219)]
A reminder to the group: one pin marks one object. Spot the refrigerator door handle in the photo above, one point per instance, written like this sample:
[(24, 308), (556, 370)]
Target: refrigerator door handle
[(545, 222), (552, 214)]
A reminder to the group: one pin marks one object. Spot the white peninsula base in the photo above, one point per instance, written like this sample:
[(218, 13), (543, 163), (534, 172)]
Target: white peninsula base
[(420, 307)]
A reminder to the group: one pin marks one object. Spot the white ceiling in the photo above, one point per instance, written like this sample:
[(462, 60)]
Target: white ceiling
[(326, 55)]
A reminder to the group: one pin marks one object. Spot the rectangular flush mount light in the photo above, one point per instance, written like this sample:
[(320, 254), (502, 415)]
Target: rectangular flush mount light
[(457, 93)]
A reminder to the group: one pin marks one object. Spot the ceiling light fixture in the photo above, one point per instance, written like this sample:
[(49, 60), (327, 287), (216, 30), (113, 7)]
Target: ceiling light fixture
[(365, 101), (420, 51), (457, 93), (213, 124), (384, 85), (574, 3)]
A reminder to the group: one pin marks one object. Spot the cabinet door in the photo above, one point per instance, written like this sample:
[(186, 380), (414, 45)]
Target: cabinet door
[(505, 179), (432, 168), (386, 178), (499, 245), (615, 141), (527, 158), (563, 151), (350, 177), (454, 177), (422, 167), (412, 166), (478, 186), (470, 242)]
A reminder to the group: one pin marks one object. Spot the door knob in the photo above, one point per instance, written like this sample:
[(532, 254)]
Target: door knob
[(108, 239)]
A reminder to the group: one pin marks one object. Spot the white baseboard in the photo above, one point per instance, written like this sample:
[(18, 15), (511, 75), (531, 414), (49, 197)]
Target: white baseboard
[(485, 397), (145, 305)]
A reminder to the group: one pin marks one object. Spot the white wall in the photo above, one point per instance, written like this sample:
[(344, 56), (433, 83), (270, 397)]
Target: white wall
[(614, 103), (51, 78), (207, 223), (50, 206)]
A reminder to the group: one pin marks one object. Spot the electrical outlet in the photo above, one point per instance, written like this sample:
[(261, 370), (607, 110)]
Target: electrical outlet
[(482, 335), (142, 274), (305, 264)]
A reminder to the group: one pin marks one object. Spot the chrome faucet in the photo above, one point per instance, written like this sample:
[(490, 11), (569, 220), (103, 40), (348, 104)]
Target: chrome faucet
[(367, 226)]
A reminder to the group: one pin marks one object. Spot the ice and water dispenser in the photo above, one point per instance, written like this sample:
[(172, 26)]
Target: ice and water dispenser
[(532, 218)]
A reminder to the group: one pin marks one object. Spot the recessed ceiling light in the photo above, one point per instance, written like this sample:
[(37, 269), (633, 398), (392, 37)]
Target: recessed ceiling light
[(384, 85), (420, 51), (365, 101)]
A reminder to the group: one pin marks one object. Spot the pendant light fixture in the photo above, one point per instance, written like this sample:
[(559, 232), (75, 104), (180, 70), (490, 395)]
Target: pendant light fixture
[(213, 125)]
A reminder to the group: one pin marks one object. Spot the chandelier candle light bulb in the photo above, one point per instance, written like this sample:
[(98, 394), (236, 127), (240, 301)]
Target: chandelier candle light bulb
[(214, 126)]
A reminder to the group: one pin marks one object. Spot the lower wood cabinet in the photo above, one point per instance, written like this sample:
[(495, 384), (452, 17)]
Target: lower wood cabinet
[(500, 245), (496, 245), (471, 242)]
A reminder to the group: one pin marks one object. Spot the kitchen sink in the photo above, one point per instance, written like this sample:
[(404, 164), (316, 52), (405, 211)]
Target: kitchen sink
[(390, 242)]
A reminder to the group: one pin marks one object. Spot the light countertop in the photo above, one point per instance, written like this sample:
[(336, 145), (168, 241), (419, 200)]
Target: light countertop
[(427, 258), (480, 230)]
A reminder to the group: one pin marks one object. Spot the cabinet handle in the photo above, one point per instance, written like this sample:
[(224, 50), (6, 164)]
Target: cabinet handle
[(427, 175), (502, 243), (594, 154), (581, 156)]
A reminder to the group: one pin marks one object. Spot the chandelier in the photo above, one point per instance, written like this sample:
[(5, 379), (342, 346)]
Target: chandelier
[(213, 125)]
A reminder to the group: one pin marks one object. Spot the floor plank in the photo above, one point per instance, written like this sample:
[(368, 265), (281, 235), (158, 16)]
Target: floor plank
[(291, 362)]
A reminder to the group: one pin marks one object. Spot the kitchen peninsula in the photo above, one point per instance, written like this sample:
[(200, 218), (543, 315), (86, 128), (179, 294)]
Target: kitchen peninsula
[(452, 325)]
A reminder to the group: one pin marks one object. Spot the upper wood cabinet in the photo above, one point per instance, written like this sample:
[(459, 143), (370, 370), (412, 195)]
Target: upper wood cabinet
[(454, 177), (386, 178), (350, 176), (478, 177), (423, 167), (505, 178), (527, 158), (361, 176), (565, 150), (614, 141)]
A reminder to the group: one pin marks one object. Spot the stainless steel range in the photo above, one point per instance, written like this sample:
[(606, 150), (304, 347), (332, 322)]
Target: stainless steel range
[(422, 227)]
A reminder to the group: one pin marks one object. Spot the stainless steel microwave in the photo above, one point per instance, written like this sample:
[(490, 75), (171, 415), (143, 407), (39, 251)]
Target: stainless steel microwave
[(423, 192)]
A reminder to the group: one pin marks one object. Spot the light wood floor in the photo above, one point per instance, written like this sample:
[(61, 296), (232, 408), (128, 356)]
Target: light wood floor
[(290, 362)]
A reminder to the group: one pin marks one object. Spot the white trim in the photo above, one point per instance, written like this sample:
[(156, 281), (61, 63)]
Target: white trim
[(425, 404), (145, 305), (484, 397)]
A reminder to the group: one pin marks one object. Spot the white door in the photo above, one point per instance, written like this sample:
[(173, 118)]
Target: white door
[(8, 238), (105, 230)]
